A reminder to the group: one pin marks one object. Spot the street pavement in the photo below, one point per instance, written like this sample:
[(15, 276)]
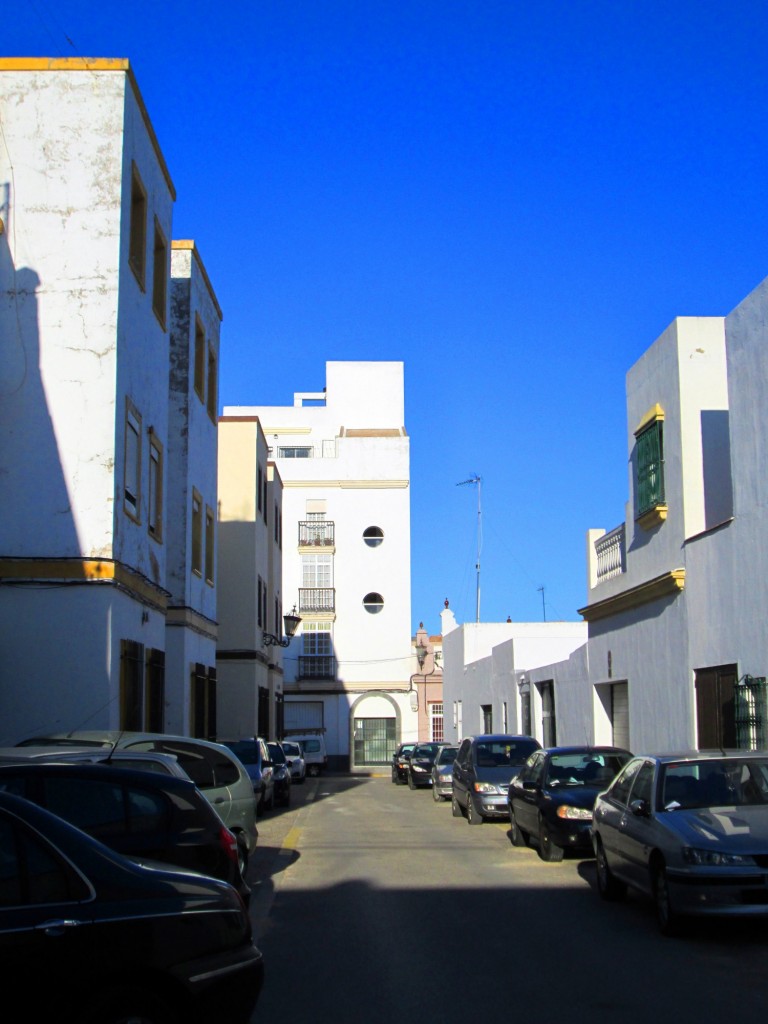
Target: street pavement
[(373, 904)]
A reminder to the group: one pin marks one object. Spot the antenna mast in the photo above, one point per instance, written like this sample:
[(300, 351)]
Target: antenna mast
[(475, 479)]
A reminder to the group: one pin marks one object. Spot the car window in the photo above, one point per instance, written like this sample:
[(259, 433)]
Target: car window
[(503, 752), (94, 806), (32, 873), (276, 753), (642, 788), (311, 746), (292, 749), (447, 755), (619, 791)]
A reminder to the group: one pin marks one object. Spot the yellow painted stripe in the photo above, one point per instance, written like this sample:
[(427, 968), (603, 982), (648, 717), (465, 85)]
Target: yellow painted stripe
[(291, 841)]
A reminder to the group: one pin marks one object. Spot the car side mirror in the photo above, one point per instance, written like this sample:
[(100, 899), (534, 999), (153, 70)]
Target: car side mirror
[(640, 808)]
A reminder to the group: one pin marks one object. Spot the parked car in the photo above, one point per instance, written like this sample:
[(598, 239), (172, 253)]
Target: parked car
[(253, 754), (484, 767), (296, 761), (139, 760), (442, 773), (89, 937), (281, 774), (139, 814), (551, 800), (214, 769), (313, 751), (400, 763), (690, 830), (420, 764)]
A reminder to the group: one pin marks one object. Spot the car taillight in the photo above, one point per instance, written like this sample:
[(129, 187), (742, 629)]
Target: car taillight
[(229, 843)]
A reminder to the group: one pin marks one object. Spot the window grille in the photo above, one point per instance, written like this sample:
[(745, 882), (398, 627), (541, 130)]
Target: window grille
[(650, 467)]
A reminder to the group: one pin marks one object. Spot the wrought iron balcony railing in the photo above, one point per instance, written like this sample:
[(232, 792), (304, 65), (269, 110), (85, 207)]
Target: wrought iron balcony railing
[(317, 599), (317, 534)]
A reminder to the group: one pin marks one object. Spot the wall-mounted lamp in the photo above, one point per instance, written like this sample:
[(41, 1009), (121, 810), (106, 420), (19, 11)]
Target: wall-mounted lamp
[(291, 625)]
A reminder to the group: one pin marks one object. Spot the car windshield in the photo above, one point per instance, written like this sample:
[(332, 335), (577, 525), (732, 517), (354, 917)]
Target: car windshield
[(503, 752), (589, 769), (276, 753), (246, 751), (292, 749), (715, 782), (425, 750), (447, 755)]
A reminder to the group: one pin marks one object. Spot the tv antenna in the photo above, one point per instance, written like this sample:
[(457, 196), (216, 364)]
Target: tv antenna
[(475, 479)]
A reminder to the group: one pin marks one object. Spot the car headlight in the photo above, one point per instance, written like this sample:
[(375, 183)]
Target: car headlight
[(485, 787), (574, 813), (715, 859), (417, 768)]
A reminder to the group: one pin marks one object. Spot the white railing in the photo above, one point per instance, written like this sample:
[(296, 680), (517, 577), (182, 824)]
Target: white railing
[(611, 554), (321, 450)]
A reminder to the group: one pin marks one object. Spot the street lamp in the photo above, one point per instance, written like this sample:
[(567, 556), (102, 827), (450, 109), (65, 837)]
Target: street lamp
[(291, 625)]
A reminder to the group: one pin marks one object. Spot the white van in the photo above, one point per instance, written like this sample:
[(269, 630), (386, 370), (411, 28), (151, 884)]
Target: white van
[(313, 748)]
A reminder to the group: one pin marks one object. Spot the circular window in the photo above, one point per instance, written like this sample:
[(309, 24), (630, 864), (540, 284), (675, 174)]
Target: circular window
[(373, 603), (373, 536)]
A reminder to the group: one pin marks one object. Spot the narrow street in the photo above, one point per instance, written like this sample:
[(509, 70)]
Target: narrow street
[(372, 903)]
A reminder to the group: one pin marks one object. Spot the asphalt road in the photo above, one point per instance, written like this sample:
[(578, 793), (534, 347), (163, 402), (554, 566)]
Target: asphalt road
[(373, 905)]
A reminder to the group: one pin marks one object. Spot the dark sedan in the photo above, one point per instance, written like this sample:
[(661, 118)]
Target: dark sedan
[(400, 763), (420, 764), (89, 937), (551, 800), (140, 814)]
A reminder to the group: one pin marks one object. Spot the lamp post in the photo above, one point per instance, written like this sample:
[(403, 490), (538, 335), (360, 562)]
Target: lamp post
[(291, 625)]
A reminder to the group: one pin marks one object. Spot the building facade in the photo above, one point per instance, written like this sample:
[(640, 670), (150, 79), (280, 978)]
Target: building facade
[(93, 607), (342, 454)]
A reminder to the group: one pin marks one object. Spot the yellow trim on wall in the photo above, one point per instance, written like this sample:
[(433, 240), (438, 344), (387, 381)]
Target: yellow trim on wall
[(653, 517), (669, 583), (84, 570), (287, 430), (188, 244), (654, 413), (95, 64)]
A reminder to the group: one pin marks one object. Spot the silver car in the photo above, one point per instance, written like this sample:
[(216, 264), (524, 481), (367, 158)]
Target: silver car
[(690, 830), (442, 773)]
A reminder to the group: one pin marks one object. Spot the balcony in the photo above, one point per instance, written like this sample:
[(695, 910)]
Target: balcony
[(317, 534), (611, 554), (317, 599), (317, 666)]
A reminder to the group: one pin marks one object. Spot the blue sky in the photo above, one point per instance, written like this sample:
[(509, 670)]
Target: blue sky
[(514, 198)]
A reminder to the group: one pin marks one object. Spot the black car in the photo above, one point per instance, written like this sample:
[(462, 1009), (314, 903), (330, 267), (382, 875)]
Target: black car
[(400, 763), (89, 937), (552, 798), (420, 764), (281, 774), (139, 814), (482, 771)]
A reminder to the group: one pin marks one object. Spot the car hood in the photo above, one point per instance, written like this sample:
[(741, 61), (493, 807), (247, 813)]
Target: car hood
[(573, 796), (741, 828)]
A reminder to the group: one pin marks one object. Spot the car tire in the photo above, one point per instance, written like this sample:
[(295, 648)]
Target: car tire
[(126, 1005), (411, 783), (666, 918), (394, 776), (261, 804), (609, 887), (455, 807), (436, 796), (473, 815), (548, 849), (400, 781), (516, 834)]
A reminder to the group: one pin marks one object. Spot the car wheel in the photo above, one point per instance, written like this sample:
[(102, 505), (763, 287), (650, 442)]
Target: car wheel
[(411, 783), (455, 807), (473, 816), (128, 1006), (394, 776), (270, 805), (666, 918), (550, 851), (516, 835), (261, 804), (400, 780), (608, 886), (436, 794)]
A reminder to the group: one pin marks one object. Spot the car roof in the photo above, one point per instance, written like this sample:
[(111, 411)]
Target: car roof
[(150, 780), (499, 737), (93, 755), (118, 738), (704, 755), (586, 750)]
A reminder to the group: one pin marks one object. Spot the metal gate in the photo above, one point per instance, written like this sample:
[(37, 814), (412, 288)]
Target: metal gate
[(750, 712), (620, 715), (375, 741)]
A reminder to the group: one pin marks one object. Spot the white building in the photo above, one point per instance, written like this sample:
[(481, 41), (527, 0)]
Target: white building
[(485, 667), (343, 456), (677, 655), (88, 564)]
